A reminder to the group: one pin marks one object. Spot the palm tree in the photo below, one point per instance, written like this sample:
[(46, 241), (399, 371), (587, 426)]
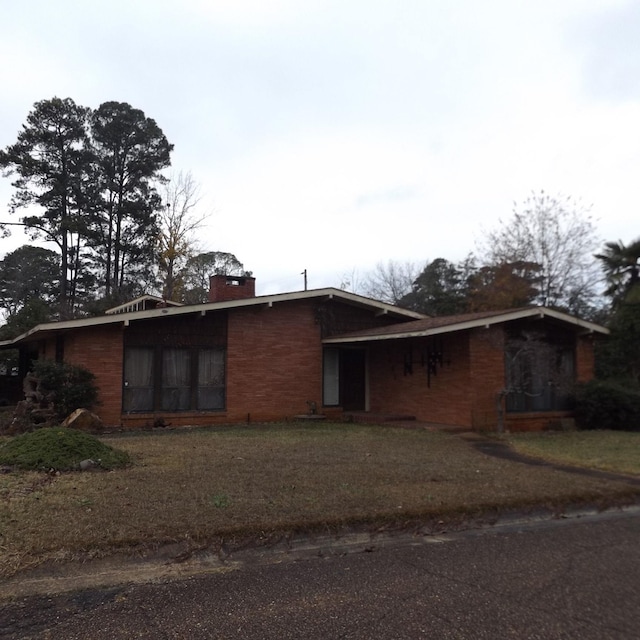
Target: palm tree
[(621, 265)]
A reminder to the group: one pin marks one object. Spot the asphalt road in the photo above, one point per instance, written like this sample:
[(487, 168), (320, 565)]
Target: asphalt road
[(576, 578)]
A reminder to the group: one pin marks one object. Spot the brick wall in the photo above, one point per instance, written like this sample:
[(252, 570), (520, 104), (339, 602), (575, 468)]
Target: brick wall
[(542, 421), (274, 366), (99, 349), (486, 374), (274, 361), (585, 359), (467, 389), (392, 390)]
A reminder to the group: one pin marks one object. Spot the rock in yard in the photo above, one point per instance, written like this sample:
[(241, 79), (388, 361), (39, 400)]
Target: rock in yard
[(83, 420)]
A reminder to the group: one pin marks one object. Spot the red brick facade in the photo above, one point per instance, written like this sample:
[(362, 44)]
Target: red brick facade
[(224, 288), (468, 389), (274, 365), (400, 383), (100, 350)]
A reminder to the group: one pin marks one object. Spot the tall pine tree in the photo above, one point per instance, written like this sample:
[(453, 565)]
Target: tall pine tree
[(52, 159), (132, 150)]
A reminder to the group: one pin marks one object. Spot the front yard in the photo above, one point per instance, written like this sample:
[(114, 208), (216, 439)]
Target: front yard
[(200, 487)]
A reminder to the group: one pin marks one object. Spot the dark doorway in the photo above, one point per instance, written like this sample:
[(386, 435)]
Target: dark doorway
[(353, 379)]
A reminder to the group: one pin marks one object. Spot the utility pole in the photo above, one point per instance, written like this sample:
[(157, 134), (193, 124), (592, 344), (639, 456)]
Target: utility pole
[(304, 273)]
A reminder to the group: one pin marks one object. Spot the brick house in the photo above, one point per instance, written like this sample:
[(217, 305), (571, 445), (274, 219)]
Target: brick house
[(242, 357)]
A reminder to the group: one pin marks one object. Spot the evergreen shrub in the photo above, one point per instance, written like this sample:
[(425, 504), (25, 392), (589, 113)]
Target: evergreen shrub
[(70, 387), (602, 404)]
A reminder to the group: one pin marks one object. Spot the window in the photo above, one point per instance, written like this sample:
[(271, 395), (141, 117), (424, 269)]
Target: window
[(211, 379), (138, 379), (540, 372), (173, 379), (331, 378), (176, 380)]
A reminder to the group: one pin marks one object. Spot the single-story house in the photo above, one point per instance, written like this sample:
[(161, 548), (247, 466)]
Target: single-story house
[(242, 357)]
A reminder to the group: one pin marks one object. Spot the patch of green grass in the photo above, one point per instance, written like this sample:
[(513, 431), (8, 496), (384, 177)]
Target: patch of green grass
[(59, 449), (617, 451), (220, 501)]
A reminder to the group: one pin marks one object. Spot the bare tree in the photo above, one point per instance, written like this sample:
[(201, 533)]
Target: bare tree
[(390, 282), (558, 234), (351, 281), (178, 223)]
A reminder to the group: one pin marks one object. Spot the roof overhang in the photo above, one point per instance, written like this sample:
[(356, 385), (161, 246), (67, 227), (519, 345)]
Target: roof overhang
[(407, 331), (125, 319)]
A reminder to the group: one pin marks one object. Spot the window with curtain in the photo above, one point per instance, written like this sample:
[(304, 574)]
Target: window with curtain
[(138, 379), (211, 379), (174, 379)]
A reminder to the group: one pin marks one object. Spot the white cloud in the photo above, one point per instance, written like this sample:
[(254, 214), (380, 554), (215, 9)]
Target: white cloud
[(332, 135)]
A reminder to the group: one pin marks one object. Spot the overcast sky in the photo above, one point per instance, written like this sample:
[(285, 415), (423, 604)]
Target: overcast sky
[(334, 135)]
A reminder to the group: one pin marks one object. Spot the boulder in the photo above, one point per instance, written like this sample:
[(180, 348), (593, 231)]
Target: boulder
[(83, 420)]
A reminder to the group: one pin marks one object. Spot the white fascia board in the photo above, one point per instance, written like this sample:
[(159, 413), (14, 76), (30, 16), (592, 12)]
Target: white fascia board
[(424, 333), (541, 312), (589, 327), (269, 300)]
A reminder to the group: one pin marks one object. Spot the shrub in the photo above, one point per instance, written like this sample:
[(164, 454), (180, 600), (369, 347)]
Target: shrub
[(607, 405), (59, 449), (70, 387)]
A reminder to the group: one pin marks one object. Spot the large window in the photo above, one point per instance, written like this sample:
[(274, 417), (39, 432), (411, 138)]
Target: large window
[(540, 371), (173, 379)]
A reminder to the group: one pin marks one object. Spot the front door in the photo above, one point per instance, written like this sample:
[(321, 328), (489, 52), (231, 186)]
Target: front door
[(353, 379)]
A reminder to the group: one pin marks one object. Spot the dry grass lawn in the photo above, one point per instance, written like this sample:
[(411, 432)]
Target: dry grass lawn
[(607, 450), (201, 486)]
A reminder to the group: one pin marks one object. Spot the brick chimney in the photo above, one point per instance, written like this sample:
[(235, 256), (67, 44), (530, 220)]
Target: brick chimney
[(224, 288)]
